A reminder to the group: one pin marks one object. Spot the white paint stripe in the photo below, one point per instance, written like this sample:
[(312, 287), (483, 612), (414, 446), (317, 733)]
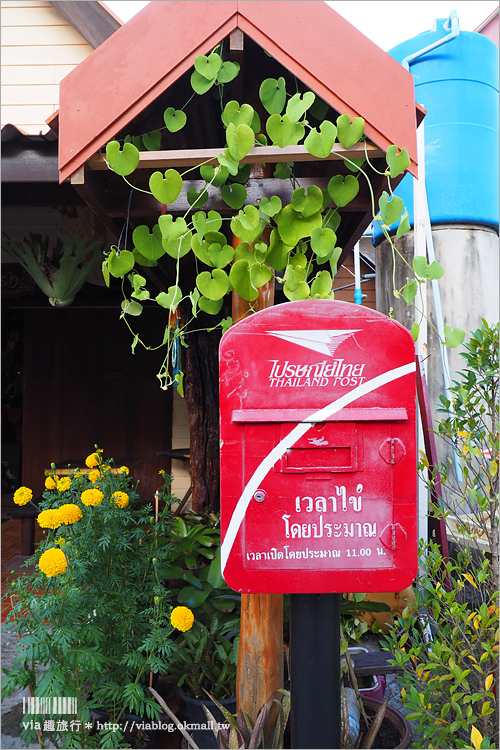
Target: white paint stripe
[(268, 462)]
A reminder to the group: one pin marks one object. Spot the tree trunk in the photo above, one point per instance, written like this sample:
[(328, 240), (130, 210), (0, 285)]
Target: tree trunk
[(201, 392)]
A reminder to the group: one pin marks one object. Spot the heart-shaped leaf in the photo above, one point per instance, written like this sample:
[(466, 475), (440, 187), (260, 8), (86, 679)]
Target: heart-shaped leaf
[(320, 143), (298, 134), (247, 226), (171, 298), (214, 236), (353, 165), (227, 160), (197, 199), (171, 229), (404, 225), (433, 271), (228, 71), (234, 195), (332, 220), (137, 142), (166, 189), (397, 162), (143, 261), (349, 133), (237, 115), (148, 244), (152, 140), (122, 162), (283, 170), (415, 331), (280, 130), (300, 291), (298, 105), (299, 260), (409, 291), (244, 251), (209, 66), (259, 251), (272, 94), (319, 108), (216, 176), (200, 84), (323, 241), (204, 223), (241, 280), (213, 285), (239, 140), (255, 124), (343, 189), (179, 247), (121, 264), (322, 285), (131, 307), (220, 256), (293, 227), (391, 207), (210, 306), (260, 274), (270, 207), (200, 247), (453, 337), (277, 255), (138, 282), (175, 119), (307, 203), (243, 173)]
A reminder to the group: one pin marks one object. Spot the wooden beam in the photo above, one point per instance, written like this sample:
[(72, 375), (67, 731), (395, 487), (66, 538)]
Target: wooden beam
[(88, 188), (257, 155), (94, 22)]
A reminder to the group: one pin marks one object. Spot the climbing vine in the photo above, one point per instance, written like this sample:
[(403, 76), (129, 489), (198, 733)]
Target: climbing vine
[(299, 248)]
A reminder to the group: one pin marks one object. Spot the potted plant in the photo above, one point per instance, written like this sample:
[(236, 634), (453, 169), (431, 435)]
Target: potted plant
[(92, 617)]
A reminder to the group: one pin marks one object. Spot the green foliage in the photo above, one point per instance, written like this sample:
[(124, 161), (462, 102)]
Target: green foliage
[(95, 630)]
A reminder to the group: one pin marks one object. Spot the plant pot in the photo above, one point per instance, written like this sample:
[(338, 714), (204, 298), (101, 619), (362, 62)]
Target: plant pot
[(395, 731), (203, 736)]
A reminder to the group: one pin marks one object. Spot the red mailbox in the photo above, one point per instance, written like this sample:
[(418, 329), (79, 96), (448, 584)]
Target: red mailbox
[(318, 451)]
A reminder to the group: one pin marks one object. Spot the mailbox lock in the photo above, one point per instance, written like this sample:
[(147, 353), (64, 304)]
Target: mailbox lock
[(260, 496)]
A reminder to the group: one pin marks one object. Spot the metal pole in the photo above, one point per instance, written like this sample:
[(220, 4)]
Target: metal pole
[(315, 671)]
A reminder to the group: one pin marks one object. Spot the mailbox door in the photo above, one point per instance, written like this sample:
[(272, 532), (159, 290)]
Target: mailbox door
[(324, 498)]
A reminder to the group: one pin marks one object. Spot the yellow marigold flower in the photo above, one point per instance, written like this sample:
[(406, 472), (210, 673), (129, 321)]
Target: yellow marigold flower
[(70, 513), (63, 484), (77, 474), (23, 495), (124, 470), (93, 460), (49, 519), (60, 541), (92, 497), (53, 562), (182, 618), (120, 498), (93, 475), (105, 468), (50, 483)]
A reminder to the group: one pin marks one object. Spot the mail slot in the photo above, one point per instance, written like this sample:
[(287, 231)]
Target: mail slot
[(318, 451)]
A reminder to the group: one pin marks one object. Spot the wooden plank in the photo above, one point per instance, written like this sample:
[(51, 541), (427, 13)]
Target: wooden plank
[(37, 16), (257, 155), (34, 75), (33, 116), (25, 36), (72, 54), (25, 4), (90, 19), (14, 95), (93, 194)]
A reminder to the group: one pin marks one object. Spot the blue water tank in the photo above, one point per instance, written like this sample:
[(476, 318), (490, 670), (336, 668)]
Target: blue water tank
[(457, 83)]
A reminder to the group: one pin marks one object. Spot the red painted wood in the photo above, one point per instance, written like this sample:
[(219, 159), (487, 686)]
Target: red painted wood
[(143, 58)]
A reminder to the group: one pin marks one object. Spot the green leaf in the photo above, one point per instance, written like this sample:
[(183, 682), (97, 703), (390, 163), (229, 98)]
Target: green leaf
[(171, 298), (298, 134), (213, 285), (453, 337), (241, 280), (210, 306), (200, 84), (260, 274), (256, 126), (204, 223), (320, 143), (234, 195), (152, 141), (319, 108), (353, 164), (343, 190), (247, 226), (191, 597), (307, 203), (213, 176), (226, 160), (243, 173), (200, 249), (283, 170), (293, 227), (122, 162), (148, 244), (172, 229), (349, 133), (121, 264), (208, 67), (280, 130), (404, 225), (228, 71), (295, 288), (332, 220), (197, 199), (143, 261), (323, 240), (168, 188), (220, 256), (243, 251), (409, 291), (397, 162), (415, 331), (434, 271), (179, 247), (131, 307), (174, 119), (105, 272), (237, 115), (239, 140), (321, 285), (272, 94), (391, 208), (298, 105), (270, 207)]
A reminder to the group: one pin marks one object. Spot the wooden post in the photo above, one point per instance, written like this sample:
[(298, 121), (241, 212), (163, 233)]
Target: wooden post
[(260, 653)]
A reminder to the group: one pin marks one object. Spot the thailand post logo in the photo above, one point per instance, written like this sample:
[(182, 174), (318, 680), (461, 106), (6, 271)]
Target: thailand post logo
[(333, 371)]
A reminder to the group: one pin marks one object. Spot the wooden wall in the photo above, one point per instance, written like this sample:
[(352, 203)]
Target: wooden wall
[(39, 48), (83, 386)]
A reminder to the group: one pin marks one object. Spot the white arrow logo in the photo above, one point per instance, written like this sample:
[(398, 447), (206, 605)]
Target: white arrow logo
[(324, 342)]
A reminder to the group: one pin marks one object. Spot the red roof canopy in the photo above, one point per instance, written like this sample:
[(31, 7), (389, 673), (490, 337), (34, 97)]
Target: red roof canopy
[(143, 58)]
